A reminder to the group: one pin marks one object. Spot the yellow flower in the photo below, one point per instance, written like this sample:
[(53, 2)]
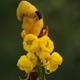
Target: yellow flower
[(44, 57), (46, 44), (32, 58), (30, 43), (25, 64), (53, 62)]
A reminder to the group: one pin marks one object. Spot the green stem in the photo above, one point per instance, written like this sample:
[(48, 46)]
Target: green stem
[(39, 68)]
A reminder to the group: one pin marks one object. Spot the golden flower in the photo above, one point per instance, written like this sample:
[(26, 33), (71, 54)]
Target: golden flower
[(30, 42), (44, 57), (25, 64), (53, 62), (32, 58), (46, 44)]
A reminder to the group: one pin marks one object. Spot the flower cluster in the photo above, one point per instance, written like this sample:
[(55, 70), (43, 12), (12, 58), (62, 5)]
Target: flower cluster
[(42, 47), (36, 42)]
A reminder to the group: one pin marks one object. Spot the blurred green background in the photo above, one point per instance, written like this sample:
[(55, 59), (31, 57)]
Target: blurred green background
[(63, 19)]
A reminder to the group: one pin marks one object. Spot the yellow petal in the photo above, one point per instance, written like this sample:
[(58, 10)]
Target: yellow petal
[(50, 69), (56, 58), (25, 8)]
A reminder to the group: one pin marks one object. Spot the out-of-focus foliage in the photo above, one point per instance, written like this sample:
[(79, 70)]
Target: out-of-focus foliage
[(63, 19)]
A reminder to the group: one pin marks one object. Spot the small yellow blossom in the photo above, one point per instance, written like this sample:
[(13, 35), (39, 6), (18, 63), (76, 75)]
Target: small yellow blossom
[(25, 64), (44, 57), (46, 44), (54, 60), (30, 42), (32, 58), (23, 33)]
